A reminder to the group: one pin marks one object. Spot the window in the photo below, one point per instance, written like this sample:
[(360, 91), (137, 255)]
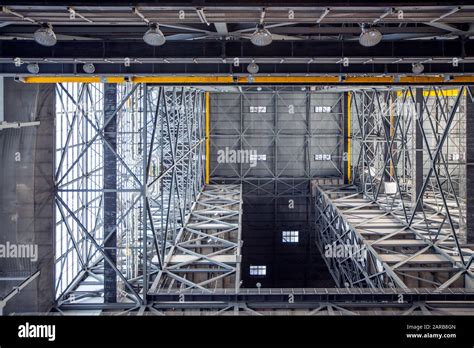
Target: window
[(290, 236), (260, 270), (322, 109), (322, 157), (258, 109), (255, 157)]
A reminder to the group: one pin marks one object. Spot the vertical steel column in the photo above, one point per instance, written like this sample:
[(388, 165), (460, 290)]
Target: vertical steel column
[(393, 130), (145, 191), (388, 137), (418, 183), (208, 137), (307, 137), (110, 191), (346, 164), (469, 164)]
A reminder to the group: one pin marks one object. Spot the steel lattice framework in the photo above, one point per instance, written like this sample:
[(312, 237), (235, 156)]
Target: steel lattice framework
[(406, 213), (135, 218), (129, 170), (206, 254)]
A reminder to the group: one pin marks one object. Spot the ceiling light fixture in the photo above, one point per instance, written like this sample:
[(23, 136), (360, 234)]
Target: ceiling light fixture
[(448, 78), (253, 68), (261, 36), (154, 36), (370, 37), (45, 35), (417, 68), (89, 68), (33, 68)]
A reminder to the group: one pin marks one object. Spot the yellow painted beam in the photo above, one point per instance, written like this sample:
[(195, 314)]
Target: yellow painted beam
[(184, 79), (433, 93), (370, 79), (229, 80), (422, 79), (208, 138), (441, 93), (293, 79), (79, 79)]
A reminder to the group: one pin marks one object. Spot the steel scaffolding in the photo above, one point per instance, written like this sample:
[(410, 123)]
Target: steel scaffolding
[(307, 301), (129, 169), (206, 254), (138, 230), (405, 215)]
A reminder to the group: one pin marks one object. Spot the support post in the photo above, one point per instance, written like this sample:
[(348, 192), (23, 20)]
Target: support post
[(110, 192), (418, 182), (470, 165), (144, 192), (346, 115), (208, 139)]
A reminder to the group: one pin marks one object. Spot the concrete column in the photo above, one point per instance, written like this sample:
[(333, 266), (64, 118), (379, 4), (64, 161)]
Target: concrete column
[(110, 197), (27, 193)]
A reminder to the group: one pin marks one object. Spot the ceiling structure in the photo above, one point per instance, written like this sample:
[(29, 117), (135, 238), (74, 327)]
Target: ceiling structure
[(214, 38)]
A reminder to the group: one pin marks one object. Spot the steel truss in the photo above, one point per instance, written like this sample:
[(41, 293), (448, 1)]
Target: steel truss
[(157, 150), (385, 136), (308, 301), (206, 253), (406, 215)]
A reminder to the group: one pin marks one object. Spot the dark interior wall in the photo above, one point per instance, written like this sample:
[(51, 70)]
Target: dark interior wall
[(268, 212), (27, 191)]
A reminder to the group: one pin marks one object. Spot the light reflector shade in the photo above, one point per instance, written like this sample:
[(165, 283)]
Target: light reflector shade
[(370, 37), (33, 68), (417, 68), (154, 36), (45, 36), (261, 36), (89, 68), (253, 68)]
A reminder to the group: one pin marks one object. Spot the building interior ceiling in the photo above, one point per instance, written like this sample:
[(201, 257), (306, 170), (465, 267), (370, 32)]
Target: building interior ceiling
[(207, 39), (123, 113)]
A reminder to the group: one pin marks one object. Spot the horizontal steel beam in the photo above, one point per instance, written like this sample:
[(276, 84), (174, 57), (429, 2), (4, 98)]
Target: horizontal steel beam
[(232, 3), (316, 295), (93, 32), (227, 69), (301, 298), (230, 49), (260, 80)]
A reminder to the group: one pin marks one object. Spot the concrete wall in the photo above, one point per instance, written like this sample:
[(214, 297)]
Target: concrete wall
[(27, 191)]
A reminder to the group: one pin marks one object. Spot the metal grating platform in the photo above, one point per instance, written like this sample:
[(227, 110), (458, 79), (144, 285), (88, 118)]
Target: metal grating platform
[(206, 254), (380, 250)]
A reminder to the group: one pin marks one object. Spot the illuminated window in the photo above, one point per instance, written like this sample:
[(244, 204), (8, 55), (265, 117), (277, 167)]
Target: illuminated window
[(258, 109), (322, 157), (290, 236), (322, 109), (259, 270)]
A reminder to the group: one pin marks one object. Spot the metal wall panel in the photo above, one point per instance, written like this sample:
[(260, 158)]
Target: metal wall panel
[(284, 126)]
